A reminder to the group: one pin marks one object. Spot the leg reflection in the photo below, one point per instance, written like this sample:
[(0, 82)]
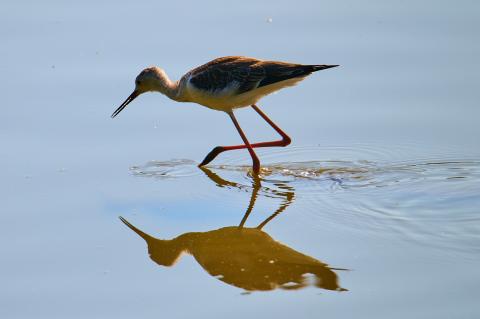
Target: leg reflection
[(287, 192)]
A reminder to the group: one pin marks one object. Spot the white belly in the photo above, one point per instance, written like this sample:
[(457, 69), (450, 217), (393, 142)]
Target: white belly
[(226, 100)]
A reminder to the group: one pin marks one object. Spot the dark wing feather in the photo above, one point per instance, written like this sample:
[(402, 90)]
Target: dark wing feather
[(249, 77), (247, 73), (222, 72), (279, 71)]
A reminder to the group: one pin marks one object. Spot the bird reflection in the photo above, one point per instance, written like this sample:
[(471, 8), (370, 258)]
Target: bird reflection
[(245, 257)]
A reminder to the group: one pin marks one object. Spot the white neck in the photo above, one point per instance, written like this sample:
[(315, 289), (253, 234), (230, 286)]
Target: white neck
[(167, 87)]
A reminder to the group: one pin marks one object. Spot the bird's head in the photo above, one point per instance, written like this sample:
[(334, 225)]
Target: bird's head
[(150, 79)]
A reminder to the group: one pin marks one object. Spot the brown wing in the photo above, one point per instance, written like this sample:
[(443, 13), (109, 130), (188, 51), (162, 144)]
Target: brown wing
[(227, 71), (244, 73)]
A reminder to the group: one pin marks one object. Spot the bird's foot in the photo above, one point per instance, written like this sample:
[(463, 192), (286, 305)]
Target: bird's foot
[(211, 156)]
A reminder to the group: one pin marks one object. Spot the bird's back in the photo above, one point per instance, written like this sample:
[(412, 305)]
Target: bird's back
[(236, 81)]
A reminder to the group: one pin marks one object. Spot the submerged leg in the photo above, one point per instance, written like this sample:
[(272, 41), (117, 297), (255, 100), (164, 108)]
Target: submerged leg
[(283, 142), (255, 160)]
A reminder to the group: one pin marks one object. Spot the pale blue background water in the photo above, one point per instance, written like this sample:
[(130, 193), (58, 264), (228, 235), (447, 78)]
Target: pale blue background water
[(407, 87)]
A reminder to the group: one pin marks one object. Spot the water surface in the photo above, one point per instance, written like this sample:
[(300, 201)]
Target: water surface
[(372, 212)]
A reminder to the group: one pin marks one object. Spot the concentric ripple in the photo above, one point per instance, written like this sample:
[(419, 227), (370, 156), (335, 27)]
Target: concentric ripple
[(433, 200)]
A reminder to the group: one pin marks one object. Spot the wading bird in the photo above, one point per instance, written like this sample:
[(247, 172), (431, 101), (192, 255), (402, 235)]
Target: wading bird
[(226, 84)]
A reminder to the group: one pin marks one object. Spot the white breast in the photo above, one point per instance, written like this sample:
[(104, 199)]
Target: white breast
[(226, 100)]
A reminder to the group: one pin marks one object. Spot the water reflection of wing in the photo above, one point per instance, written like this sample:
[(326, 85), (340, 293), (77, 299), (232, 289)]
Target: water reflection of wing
[(249, 258)]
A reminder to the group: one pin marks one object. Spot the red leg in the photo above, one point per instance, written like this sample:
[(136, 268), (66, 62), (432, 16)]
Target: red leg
[(286, 140), (255, 160)]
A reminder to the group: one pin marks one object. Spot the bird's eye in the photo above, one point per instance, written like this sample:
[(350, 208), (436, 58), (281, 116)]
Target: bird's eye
[(137, 82)]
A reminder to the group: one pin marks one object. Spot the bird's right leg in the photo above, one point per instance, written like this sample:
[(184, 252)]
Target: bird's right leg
[(286, 140)]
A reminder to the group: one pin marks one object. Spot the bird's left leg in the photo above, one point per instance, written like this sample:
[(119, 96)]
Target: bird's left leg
[(286, 140), (255, 160)]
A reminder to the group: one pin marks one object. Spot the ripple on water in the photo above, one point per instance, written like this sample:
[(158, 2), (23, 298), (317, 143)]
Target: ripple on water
[(430, 200), (174, 168)]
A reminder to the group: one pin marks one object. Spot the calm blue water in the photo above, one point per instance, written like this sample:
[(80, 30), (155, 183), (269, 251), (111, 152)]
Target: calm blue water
[(382, 177)]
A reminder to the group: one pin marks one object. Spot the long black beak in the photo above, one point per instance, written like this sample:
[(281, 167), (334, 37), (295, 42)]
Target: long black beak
[(124, 104)]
